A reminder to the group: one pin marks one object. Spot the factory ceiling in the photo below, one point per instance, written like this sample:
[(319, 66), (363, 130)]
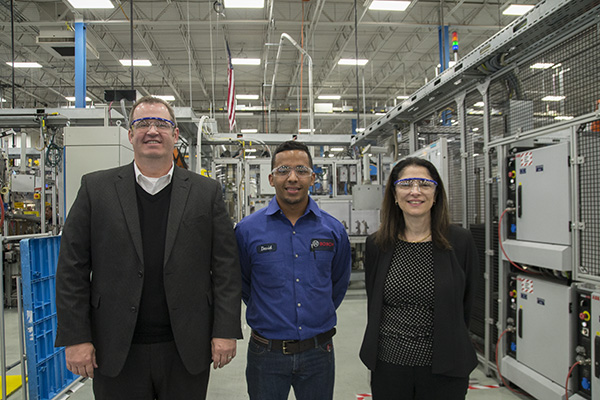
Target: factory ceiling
[(185, 43)]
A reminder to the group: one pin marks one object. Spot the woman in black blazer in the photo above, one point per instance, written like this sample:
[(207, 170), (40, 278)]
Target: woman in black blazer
[(420, 274)]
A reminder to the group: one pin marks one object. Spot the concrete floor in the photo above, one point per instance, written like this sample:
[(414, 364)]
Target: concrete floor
[(352, 378)]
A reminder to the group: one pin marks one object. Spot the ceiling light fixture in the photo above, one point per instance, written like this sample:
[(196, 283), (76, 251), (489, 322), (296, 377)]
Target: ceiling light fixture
[(244, 4), (378, 5), (553, 98), (72, 98), (479, 104), (249, 130), (136, 63), (517, 9), (167, 97), (304, 130), (246, 96), (352, 61), (541, 65), (24, 64), (402, 97), (329, 97), (336, 149), (91, 3), (245, 61)]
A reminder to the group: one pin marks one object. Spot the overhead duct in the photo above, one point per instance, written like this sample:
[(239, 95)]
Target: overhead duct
[(62, 44)]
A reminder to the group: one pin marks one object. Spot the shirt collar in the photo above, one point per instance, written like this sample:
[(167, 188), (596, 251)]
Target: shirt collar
[(273, 207), (138, 173)]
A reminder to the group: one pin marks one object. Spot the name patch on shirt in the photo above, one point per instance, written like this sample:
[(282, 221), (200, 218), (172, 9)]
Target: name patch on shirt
[(266, 248), (321, 245)]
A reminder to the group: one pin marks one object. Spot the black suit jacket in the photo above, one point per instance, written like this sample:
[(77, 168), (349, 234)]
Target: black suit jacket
[(100, 268), (455, 274)]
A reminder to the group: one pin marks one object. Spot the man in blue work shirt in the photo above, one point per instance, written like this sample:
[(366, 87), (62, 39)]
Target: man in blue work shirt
[(296, 264)]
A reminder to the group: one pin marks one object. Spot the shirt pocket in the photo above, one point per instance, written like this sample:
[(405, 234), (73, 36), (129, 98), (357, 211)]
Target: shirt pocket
[(320, 268), (269, 271)]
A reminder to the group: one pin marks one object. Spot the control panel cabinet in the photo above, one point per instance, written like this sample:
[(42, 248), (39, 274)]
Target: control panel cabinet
[(543, 195), (544, 326), (588, 341)]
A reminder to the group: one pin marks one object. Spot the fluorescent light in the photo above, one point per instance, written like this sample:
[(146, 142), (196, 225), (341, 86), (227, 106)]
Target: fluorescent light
[(336, 149), (249, 130), (168, 97), (245, 61), (352, 61), (244, 3), (360, 130), (24, 64), (479, 104), (2, 100), (250, 150), (331, 155), (91, 3), (389, 5), (246, 96), (553, 98), (475, 129), (564, 117), (72, 98), (402, 97), (304, 130), (250, 156), (541, 65), (517, 9), (136, 63), (329, 97)]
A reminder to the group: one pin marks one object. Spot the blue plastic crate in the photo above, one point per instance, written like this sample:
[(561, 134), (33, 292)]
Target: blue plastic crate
[(46, 365)]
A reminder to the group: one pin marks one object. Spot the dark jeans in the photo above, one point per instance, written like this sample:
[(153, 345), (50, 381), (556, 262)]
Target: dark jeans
[(152, 371), (270, 374), (397, 382)]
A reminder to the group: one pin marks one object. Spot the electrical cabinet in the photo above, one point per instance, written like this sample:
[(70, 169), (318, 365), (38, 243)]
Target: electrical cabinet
[(89, 149), (538, 185), (543, 348), (543, 195)]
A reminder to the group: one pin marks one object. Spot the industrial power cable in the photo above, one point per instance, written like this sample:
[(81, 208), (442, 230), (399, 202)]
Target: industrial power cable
[(502, 247), (509, 329), (579, 362)]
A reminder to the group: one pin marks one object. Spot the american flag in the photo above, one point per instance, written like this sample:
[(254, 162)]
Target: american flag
[(230, 91)]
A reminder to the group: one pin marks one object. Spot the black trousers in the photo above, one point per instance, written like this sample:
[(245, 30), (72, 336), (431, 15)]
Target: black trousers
[(152, 371), (397, 382)]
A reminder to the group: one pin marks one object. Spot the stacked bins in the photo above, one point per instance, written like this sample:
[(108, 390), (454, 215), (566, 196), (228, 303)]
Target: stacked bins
[(46, 366)]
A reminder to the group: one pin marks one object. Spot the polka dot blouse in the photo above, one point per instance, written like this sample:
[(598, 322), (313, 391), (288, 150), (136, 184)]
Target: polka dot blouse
[(406, 329)]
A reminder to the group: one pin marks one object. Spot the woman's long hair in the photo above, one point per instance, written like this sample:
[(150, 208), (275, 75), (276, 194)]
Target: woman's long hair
[(392, 217)]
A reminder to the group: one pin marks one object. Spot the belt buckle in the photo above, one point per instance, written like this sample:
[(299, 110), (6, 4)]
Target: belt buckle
[(284, 346)]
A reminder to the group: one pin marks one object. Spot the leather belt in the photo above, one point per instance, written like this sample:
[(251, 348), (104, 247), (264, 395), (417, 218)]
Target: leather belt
[(293, 346)]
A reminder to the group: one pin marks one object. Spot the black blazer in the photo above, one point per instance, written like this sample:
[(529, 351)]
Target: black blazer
[(455, 276), (100, 268)]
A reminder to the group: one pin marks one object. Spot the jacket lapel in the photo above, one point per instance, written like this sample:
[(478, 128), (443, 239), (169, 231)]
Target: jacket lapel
[(125, 185), (179, 196), (383, 266)]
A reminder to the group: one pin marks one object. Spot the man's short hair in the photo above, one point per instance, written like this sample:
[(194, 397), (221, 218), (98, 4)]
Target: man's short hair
[(152, 100), (291, 145)]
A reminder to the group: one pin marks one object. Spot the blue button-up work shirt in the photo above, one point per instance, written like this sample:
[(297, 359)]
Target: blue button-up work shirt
[(293, 276)]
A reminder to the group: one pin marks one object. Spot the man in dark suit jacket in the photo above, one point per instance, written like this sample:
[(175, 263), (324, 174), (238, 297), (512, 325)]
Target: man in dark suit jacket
[(148, 287)]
